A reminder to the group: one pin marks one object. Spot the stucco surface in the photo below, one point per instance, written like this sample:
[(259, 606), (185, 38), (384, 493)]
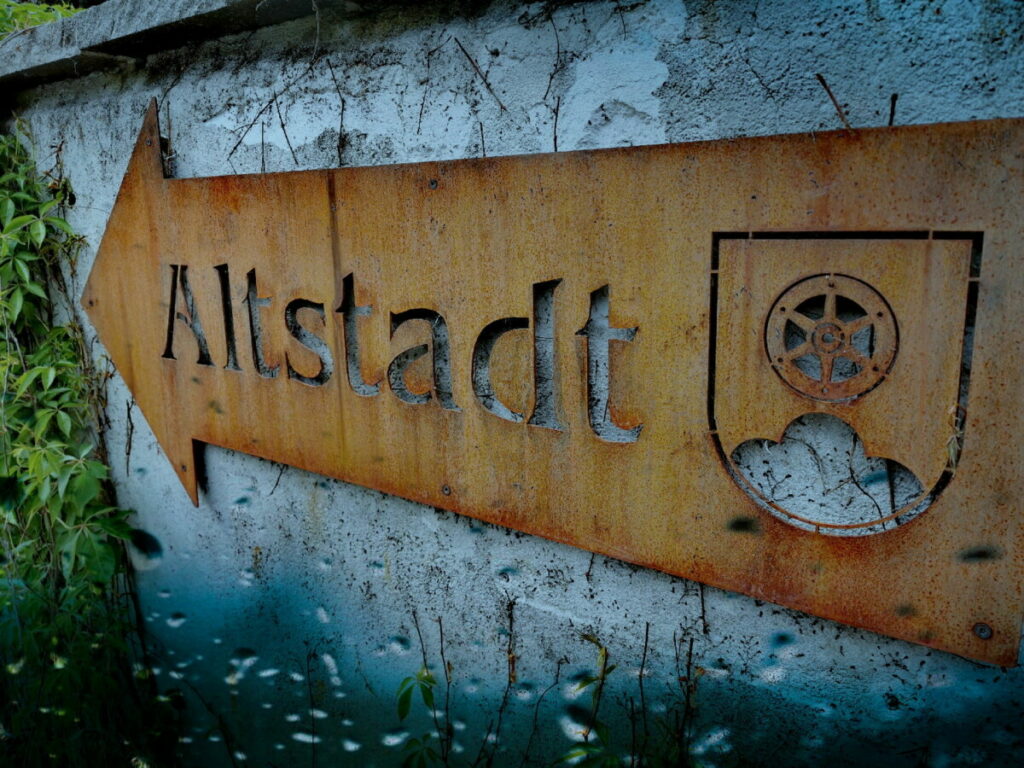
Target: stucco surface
[(284, 607)]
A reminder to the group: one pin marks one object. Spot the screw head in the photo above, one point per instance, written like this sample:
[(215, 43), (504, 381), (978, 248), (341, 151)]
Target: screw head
[(983, 631)]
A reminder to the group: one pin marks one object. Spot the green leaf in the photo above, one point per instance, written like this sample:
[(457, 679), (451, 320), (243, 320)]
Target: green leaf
[(22, 269), (25, 381), (97, 469), (578, 752), (68, 547), (37, 231), (428, 696), (6, 211), (404, 702), (48, 376), (60, 224), (117, 528), (586, 681), (64, 422), (84, 489), (17, 301), (42, 422), (63, 477), (17, 223), (100, 560)]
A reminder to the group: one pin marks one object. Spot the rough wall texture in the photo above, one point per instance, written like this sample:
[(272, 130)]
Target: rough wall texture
[(285, 606)]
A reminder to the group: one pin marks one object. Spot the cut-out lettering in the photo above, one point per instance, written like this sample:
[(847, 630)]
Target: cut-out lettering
[(440, 353), (229, 317), (481, 373), (396, 375), (310, 341), (254, 303), (546, 405), (179, 279), (600, 334), (545, 372), (350, 312)]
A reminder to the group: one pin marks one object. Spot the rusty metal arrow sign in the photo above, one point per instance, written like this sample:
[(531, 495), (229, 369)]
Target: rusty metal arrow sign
[(577, 345)]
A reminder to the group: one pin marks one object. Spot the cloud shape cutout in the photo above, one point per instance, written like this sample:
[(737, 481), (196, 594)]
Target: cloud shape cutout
[(819, 478)]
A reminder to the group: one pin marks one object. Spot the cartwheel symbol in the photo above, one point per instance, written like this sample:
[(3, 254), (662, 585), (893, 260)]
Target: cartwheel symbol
[(848, 325)]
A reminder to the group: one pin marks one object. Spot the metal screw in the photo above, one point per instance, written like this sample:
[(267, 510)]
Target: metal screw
[(983, 631), (433, 183), (446, 490)]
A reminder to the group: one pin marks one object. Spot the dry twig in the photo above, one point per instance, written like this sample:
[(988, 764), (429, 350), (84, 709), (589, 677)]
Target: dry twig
[(835, 102), (483, 77)]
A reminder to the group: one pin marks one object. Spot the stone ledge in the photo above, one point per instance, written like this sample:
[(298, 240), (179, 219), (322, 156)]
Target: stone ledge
[(105, 35)]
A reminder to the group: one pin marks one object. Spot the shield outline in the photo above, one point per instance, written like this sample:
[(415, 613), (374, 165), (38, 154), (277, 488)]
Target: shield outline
[(927, 498)]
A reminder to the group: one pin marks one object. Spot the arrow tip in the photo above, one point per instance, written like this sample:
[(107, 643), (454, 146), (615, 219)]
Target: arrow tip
[(122, 287)]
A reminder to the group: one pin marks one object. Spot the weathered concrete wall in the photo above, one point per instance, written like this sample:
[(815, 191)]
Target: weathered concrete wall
[(283, 607)]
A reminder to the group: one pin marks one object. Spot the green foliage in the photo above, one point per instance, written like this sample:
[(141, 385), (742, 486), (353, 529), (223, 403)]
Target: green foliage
[(599, 746), (595, 745), (68, 695), (423, 682), (419, 752), (642, 740), (15, 16)]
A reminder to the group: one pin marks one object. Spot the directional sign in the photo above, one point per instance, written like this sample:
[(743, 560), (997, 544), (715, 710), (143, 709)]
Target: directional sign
[(579, 345)]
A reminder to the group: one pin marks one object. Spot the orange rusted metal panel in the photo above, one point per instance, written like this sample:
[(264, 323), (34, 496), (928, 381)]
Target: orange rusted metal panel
[(574, 345)]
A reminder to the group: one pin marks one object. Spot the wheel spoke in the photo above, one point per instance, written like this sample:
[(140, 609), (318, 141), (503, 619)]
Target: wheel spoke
[(799, 351), (804, 323), (854, 354), (830, 307), (855, 326), (827, 360)]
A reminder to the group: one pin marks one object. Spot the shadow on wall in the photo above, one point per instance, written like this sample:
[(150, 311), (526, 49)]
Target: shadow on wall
[(313, 696)]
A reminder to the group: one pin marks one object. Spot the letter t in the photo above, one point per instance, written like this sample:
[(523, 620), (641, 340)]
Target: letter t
[(600, 334)]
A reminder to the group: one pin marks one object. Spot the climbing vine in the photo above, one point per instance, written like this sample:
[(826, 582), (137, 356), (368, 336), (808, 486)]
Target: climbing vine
[(69, 693), (16, 16)]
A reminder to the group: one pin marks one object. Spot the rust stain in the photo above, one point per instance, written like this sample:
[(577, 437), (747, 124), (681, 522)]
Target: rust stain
[(573, 345)]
